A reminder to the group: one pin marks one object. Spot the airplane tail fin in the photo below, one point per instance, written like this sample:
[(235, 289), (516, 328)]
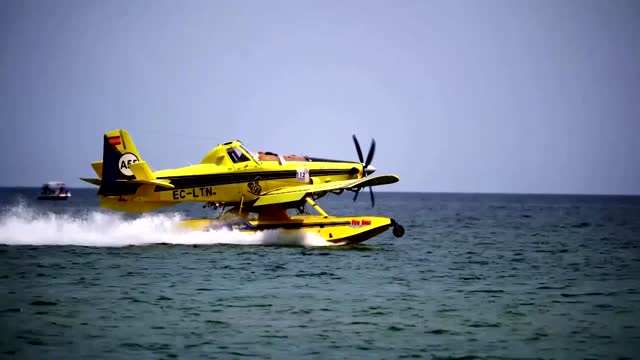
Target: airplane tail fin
[(122, 170), (118, 154)]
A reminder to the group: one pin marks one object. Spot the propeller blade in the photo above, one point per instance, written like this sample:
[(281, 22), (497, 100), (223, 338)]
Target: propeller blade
[(373, 202), (355, 141), (372, 150)]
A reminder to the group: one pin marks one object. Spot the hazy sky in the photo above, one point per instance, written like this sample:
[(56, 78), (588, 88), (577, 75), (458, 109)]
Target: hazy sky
[(473, 96)]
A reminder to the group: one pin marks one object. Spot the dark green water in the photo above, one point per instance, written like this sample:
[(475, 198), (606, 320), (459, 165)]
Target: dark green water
[(476, 276)]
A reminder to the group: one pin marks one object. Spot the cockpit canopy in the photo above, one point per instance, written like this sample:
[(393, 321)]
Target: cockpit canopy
[(236, 155), (232, 151)]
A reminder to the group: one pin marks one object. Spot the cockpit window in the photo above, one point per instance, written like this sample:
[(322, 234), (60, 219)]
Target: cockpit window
[(236, 155), (251, 153)]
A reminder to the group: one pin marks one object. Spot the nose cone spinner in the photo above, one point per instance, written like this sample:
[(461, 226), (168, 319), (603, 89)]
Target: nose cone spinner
[(369, 170)]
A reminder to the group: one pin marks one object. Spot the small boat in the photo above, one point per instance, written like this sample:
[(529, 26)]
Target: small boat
[(54, 190)]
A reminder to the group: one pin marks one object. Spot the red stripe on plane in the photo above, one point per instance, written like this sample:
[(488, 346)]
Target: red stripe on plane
[(114, 140)]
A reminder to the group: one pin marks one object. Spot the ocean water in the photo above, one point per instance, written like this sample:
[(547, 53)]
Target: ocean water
[(474, 277)]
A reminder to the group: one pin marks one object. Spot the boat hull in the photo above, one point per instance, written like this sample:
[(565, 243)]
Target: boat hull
[(54, 197), (343, 230)]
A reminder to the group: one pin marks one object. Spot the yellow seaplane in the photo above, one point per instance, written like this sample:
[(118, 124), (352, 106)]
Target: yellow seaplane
[(255, 191)]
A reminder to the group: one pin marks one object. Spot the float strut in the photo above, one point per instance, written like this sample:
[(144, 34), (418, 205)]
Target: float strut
[(316, 206)]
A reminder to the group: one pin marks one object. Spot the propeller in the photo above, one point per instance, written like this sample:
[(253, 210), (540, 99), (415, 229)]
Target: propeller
[(367, 168)]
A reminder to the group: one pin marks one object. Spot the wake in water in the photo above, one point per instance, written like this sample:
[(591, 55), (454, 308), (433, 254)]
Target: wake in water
[(23, 226)]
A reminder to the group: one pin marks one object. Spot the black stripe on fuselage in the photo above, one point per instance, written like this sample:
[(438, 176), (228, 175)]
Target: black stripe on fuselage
[(182, 182)]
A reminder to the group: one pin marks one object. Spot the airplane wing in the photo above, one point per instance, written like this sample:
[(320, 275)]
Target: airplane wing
[(295, 193), (162, 183), (92, 181)]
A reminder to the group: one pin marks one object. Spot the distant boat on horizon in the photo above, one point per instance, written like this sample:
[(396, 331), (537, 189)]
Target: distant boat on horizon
[(54, 190)]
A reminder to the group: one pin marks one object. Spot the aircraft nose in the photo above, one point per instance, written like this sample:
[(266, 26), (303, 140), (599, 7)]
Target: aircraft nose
[(369, 170)]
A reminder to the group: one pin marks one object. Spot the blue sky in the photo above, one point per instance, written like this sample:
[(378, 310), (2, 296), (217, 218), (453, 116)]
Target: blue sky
[(471, 96)]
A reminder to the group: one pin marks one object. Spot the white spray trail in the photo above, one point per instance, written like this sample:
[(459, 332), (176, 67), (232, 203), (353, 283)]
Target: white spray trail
[(23, 226)]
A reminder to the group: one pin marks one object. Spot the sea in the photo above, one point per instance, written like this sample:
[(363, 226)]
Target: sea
[(476, 276)]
